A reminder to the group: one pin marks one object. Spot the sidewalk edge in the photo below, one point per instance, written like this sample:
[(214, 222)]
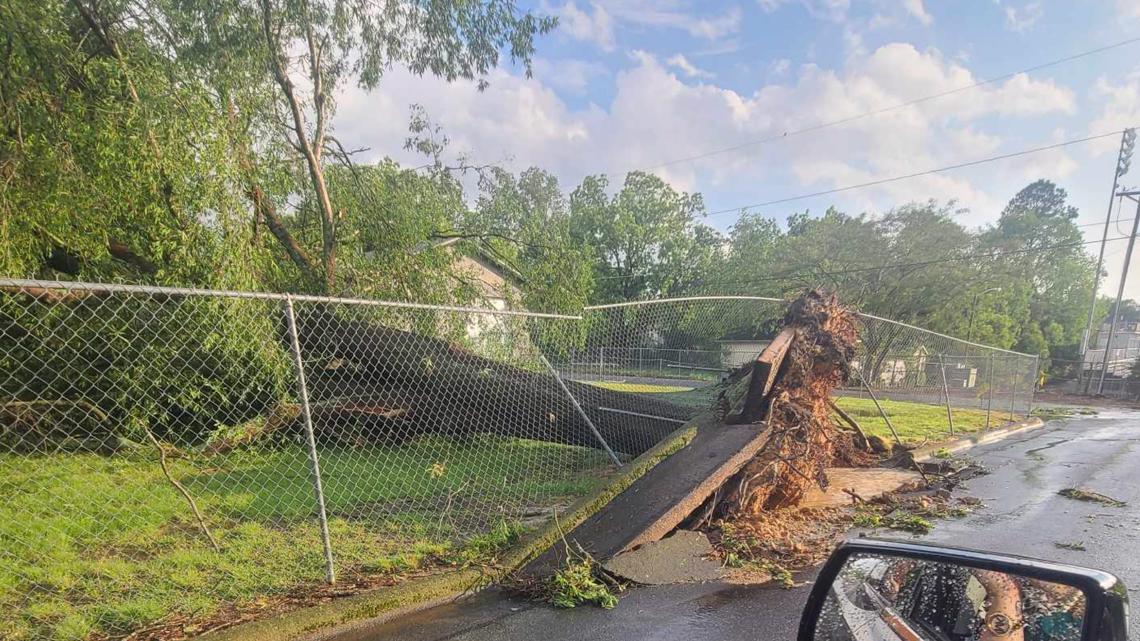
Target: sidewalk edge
[(315, 622), (963, 444)]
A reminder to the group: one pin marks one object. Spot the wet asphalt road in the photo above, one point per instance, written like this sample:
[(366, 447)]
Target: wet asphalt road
[(1023, 514)]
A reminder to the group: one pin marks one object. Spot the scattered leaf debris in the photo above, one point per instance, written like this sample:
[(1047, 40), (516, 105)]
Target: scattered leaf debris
[(1078, 494), (1071, 545)]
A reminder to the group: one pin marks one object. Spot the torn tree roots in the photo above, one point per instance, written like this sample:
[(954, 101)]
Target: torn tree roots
[(802, 439)]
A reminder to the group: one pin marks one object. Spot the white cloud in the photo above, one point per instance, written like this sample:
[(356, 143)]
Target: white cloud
[(682, 64), (655, 116), (1128, 8), (905, 72), (675, 14), (1022, 19), (1120, 109), (833, 10), (568, 74), (593, 24), (916, 9), (839, 10), (968, 142), (780, 67)]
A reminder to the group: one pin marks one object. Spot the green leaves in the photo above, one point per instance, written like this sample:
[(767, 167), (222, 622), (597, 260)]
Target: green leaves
[(647, 240)]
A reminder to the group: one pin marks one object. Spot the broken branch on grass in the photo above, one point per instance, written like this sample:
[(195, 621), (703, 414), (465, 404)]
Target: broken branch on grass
[(1078, 494), (863, 442), (185, 493)]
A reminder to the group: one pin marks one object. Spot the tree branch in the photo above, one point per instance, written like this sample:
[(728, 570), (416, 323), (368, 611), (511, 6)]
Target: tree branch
[(312, 159), (112, 46)]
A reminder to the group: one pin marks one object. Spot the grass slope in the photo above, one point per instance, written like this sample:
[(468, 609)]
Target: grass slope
[(105, 545)]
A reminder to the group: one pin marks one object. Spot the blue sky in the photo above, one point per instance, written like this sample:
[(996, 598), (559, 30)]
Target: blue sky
[(631, 84)]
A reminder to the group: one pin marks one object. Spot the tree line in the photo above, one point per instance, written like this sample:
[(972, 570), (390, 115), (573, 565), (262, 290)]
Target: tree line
[(190, 142)]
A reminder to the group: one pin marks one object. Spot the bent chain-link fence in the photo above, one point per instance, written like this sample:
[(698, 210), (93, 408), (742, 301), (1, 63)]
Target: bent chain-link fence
[(907, 372), (161, 458), (166, 454), (669, 357)]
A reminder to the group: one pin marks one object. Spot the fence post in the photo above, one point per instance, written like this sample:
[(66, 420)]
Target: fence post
[(946, 393), (581, 412), (990, 394), (1033, 386), (1013, 385), (314, 464), (886, 419)]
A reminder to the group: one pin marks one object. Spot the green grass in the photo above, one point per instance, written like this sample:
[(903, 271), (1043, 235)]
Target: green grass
[(694, 397), (104, 545), (640, 388), (915, 422)]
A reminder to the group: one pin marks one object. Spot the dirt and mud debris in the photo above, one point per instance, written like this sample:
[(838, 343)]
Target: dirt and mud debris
[(1078, 494), (948, 474), (774, 543)]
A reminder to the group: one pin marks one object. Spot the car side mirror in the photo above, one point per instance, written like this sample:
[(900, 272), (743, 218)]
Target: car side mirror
[(874, 590)]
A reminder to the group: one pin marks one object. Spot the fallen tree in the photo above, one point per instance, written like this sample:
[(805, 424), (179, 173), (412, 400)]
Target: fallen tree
[(803, 441), (374, 383)]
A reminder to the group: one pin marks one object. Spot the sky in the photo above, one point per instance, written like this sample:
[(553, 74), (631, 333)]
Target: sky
[(726, 98)]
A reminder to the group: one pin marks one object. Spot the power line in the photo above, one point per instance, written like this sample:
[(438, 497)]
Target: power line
[(921, 263), (882, 110), (1100, 224), (917, 174)]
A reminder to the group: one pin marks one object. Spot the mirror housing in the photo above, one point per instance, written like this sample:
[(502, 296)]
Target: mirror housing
[(1106, 617)]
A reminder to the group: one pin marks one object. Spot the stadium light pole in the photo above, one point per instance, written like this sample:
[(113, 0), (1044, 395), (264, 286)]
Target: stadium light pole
[(1120, 290), (1123, 162)]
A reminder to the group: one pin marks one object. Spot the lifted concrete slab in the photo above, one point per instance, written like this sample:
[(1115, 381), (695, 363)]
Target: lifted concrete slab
[(684, 557), (655, 504), (867, 482)]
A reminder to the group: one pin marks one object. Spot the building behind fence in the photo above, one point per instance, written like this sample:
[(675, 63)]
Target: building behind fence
[(299, 439)]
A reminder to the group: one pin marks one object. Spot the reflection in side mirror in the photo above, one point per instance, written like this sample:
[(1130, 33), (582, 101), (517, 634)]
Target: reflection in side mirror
[(885, 591)]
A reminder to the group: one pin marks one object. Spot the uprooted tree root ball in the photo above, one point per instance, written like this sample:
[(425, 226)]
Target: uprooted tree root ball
[(803, 441)]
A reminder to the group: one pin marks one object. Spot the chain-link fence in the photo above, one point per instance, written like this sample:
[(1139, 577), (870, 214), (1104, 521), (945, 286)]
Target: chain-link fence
[(167, 455), (165, 452), (930, 385)]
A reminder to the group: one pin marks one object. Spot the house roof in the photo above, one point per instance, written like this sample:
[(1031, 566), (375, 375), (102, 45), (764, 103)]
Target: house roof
[(477, 248)]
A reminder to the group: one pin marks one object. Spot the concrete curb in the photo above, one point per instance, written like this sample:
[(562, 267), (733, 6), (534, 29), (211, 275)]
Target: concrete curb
[(956, 446), (416, 594)]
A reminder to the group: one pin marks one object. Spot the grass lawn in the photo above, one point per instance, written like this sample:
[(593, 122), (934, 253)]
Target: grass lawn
[(97, 545), (639, 388), (915, 422), (695, 397)]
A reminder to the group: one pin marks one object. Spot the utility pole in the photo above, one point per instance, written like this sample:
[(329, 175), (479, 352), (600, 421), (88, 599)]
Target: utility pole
[(1120, 290), (973, 310), (1123, 162)]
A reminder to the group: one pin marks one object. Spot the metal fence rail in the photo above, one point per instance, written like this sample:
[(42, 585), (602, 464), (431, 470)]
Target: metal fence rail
[(162, 442)]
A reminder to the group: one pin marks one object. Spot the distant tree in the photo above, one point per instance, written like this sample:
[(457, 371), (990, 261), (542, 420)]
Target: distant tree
[(746, 267), (526, 220), (1045, 273), (647, 239)]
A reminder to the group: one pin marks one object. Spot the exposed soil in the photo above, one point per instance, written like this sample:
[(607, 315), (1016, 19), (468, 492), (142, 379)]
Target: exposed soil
[(772, 544), (803, 440)]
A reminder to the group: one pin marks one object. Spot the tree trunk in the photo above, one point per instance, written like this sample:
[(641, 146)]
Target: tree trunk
[(372, 383)]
